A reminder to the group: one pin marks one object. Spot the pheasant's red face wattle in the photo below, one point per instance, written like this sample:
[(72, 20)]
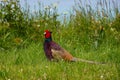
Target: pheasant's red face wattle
[(47, 34)]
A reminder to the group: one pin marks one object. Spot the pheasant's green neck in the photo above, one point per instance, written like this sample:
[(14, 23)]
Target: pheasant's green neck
[(48, 39)]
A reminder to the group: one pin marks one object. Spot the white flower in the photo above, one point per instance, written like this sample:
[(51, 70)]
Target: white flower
[(51, 9), (36, 21), (47, 7), (65, 13), (46, 66), (46, 24), (112, 29), (21, 70), (101, 76), (55, 5), (12, 6), (11, 11), (3, 0), (45, 76), (38, 26)]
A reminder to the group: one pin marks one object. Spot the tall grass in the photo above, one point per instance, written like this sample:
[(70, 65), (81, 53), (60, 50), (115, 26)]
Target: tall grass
[(91, 33)]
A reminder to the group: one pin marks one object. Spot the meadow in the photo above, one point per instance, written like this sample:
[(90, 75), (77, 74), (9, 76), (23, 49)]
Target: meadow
[(91, 34)]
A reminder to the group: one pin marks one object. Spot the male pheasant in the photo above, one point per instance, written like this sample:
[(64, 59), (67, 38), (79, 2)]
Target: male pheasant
[(54, 51)]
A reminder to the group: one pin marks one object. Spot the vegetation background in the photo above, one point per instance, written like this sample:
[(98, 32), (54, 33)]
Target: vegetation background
[(92, 34)]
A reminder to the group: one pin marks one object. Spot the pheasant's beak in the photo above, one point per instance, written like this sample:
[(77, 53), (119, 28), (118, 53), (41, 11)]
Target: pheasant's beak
[(44, 33)]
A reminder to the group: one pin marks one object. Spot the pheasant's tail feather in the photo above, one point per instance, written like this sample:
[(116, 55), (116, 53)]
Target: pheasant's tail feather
[(87, 61)]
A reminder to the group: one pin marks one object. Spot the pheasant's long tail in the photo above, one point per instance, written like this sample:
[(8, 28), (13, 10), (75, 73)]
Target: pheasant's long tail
[(87, 61)]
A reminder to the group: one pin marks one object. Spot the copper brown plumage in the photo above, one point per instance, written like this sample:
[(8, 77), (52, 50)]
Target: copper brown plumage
[(54, 51)]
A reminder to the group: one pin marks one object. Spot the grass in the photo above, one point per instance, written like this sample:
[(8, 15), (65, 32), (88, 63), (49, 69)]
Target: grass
[(89, 34), (31, 63)]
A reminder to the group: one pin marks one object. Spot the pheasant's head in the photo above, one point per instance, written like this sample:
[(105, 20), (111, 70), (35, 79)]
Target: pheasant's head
[(47, 34)]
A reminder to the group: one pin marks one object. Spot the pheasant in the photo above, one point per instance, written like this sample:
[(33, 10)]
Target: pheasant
[(53, 51)]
